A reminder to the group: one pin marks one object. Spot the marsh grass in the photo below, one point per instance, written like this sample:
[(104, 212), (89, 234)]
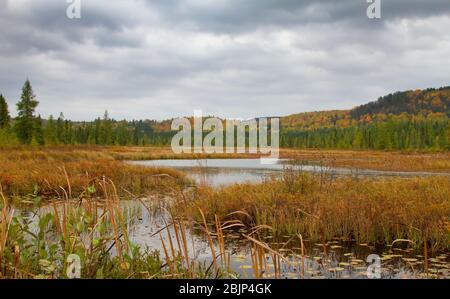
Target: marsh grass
[(94, 230), (85, 217), (427, 161), (45, 173), (97, 232), (38, 172), (362, 159), (376, 211), (407, 161)]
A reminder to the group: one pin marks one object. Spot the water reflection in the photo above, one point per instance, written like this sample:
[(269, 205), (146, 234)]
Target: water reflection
[(337, 258), (216, 172)]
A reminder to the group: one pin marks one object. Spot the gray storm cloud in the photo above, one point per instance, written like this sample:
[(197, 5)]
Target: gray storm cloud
[(160, 59)]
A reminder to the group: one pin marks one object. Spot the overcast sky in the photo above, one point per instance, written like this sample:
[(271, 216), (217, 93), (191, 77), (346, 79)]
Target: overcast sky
[(231, 58)]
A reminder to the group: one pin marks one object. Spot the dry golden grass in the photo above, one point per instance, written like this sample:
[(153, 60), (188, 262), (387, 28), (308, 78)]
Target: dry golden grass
[(376, 160), (156, 153), (47, 171), (368, 210), (90, 229)]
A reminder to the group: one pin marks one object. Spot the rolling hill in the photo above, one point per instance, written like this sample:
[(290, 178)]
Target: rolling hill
[(432, 103)]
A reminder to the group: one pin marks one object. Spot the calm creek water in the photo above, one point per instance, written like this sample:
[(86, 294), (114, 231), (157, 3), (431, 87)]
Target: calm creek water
[(216, 172), (335, 259)]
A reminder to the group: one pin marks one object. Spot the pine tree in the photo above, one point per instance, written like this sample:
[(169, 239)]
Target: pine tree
[(91, 134), (26, 120), (38, 131), (50, 132), (122, 133), (60, 132), (68, 132), (4, 113), (106, 130)]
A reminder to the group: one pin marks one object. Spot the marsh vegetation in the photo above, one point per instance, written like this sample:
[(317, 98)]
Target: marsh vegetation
[(132, 221)]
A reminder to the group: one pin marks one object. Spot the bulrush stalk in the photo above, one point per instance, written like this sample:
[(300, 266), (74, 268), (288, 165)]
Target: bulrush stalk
[(366, 210)]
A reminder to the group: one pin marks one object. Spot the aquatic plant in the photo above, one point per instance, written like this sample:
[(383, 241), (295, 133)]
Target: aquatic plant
[(377, 211), (39, 245)]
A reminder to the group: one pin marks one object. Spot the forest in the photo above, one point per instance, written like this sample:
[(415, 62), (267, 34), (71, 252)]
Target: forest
[(400, 121)]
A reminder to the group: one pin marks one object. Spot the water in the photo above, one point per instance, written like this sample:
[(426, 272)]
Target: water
[(334, 259), (217, 172), (337, 258)]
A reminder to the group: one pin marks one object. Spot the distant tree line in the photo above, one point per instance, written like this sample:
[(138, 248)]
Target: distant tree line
[(396, 135), (378, 126), (29, 128)]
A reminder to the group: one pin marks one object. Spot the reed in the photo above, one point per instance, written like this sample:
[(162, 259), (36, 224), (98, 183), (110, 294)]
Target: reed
[(179, 262), (377, 211), (84, 217), (417, 161), (37, 174), (412, 160), (94, 230), (5, 223)]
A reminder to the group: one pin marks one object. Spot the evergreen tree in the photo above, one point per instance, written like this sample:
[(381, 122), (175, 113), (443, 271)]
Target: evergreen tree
[(106, 130), (60, 129), (4, 113), (68, 132), (50, 132), (91, 135), (25, 122), (38, 131), (122, 133)]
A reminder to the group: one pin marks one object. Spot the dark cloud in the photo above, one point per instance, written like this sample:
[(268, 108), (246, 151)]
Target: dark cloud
[(244, 15), (236, 58)]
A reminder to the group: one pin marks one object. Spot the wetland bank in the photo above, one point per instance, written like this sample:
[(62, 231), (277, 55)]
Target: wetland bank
[(132, 221)]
